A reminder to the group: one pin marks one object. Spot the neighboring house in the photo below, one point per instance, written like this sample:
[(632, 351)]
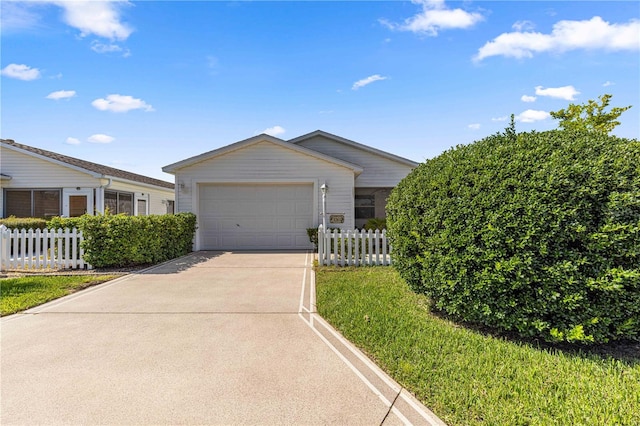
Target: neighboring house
[(264, 192), (39, 183)]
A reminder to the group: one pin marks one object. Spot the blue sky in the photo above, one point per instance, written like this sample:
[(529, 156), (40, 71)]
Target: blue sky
[(139, 85)]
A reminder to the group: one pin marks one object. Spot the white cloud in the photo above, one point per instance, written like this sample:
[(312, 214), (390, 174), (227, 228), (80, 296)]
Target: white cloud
[(532, 115), (120, 103), (474, 126), (21, 72), (17, 16), (274, 131), (434, 17), (98, 47), (100, 18), (526, 98), (100, 138), (365, 81), (568, 93), (565, 36), (608, 83), (73, 141), (504, 118), (523, 26), (61, 94)]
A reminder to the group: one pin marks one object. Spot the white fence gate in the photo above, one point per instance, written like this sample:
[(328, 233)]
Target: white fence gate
[(41, 249), (353, 247)]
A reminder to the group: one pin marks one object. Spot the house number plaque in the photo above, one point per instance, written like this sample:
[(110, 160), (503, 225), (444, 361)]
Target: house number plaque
[(336, 218)]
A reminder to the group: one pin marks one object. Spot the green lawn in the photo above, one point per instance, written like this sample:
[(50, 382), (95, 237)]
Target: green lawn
[(469, 378), (18, 294)]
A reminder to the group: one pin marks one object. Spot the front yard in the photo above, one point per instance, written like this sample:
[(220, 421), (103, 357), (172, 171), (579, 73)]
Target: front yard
[(467, 377), (20, 293)]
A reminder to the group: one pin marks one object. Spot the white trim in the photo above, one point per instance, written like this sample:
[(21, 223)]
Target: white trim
[(82, 169), (140, 196), (136, 183), (54, 161), (172, 168), (67, 192)]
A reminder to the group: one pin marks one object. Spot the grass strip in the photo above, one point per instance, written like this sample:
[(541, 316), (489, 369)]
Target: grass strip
[(464, 376), (20, 293)]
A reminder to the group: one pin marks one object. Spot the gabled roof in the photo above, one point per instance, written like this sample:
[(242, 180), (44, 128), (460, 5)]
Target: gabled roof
[(96, 170), (355, 145), (171, 168)]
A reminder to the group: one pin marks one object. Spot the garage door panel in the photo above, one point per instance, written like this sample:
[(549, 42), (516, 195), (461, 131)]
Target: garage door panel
[(304, 209), (267, 209), (286, 209), (255, 216)]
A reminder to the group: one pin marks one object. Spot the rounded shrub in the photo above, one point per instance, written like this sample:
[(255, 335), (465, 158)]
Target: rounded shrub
[(536, 233)]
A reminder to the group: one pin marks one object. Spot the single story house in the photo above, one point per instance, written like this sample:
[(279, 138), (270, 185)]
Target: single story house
[(39, 183), (264, 192)]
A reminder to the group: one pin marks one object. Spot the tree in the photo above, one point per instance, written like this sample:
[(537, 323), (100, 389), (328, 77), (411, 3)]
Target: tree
[(590, 116)]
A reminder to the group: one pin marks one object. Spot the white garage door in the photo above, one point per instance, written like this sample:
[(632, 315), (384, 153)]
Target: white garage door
[(255, 216)]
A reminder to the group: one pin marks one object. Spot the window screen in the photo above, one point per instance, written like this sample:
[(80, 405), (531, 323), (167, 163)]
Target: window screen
[(18, 203), (365, 206), (32, 203), (46, 204), (125, 203), (118, 202)]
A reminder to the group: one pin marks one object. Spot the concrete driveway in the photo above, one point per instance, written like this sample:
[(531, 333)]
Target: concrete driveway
[(211, 338)]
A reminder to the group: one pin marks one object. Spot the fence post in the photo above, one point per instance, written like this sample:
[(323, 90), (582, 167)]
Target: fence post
[(320, 246), (46, 246), (347, 247), (36, 248), (385, 261), (74, 248), (13, 238), (5, 249), (341, 239), (60, 252)]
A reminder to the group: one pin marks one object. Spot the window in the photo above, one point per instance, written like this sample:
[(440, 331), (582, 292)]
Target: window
[(118, 202), (365, 206), (43, 203), (170, 207), (111, 201), (125, 203), (142, 207)]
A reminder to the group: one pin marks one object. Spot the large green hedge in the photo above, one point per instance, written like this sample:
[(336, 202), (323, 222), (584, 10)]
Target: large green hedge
[(537, 233), (120, 240)]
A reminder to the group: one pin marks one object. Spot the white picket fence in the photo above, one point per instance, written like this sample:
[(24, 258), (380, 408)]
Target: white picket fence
[(353, 247), (41, 249)]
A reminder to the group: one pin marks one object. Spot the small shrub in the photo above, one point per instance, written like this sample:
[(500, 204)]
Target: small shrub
[(13, 222), (537, 233), (313, 237), (376, 223)]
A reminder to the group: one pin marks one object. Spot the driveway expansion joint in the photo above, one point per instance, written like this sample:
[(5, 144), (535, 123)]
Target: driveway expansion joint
[(393, 403)]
